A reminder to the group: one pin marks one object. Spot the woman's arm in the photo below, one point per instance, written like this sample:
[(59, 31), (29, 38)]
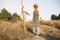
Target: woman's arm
[(27, 13)]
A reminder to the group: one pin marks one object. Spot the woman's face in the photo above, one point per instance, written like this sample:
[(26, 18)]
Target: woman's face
[(35, 7)]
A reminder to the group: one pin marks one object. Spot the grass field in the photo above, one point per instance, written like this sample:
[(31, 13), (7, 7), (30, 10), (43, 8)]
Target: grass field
[(14, 31)]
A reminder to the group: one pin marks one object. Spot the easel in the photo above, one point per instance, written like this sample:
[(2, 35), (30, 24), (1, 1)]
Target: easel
[(22, 12)]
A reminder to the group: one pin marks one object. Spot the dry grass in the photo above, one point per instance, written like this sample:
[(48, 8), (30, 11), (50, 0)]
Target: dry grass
[(14, 31), (51, 31), (51, 27), (53, 23)]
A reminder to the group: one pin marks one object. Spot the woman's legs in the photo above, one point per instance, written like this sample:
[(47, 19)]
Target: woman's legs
[(36, 30)]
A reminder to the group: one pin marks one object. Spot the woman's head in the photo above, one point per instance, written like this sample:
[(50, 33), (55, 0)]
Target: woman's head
[(35, 6)]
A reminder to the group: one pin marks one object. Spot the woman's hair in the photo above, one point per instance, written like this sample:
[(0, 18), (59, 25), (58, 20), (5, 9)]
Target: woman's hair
[(35, 5)]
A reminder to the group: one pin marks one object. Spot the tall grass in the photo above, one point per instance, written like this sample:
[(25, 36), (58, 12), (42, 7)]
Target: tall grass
[(14, 31), (51, 27), (53, 23)]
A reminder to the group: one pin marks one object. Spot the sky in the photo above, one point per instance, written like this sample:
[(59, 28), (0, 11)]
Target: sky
[(46, 7)]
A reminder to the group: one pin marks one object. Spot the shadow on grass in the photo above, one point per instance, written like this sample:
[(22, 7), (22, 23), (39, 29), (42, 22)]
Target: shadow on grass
[(47, 37), (30, 30)]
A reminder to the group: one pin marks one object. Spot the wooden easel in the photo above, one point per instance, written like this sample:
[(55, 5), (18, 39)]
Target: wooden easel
[(22, 12)]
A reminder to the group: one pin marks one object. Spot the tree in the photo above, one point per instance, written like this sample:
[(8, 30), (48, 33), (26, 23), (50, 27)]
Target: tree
[(16, 17), (54, 17), (59, 16), (5, 15)]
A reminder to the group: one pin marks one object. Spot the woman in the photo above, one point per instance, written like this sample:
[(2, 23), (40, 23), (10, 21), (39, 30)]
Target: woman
[(36, 21)]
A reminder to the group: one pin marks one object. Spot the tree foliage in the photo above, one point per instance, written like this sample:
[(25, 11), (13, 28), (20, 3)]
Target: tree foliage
[(59, 16), (15, 16), (55, 17), (5, 15)]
